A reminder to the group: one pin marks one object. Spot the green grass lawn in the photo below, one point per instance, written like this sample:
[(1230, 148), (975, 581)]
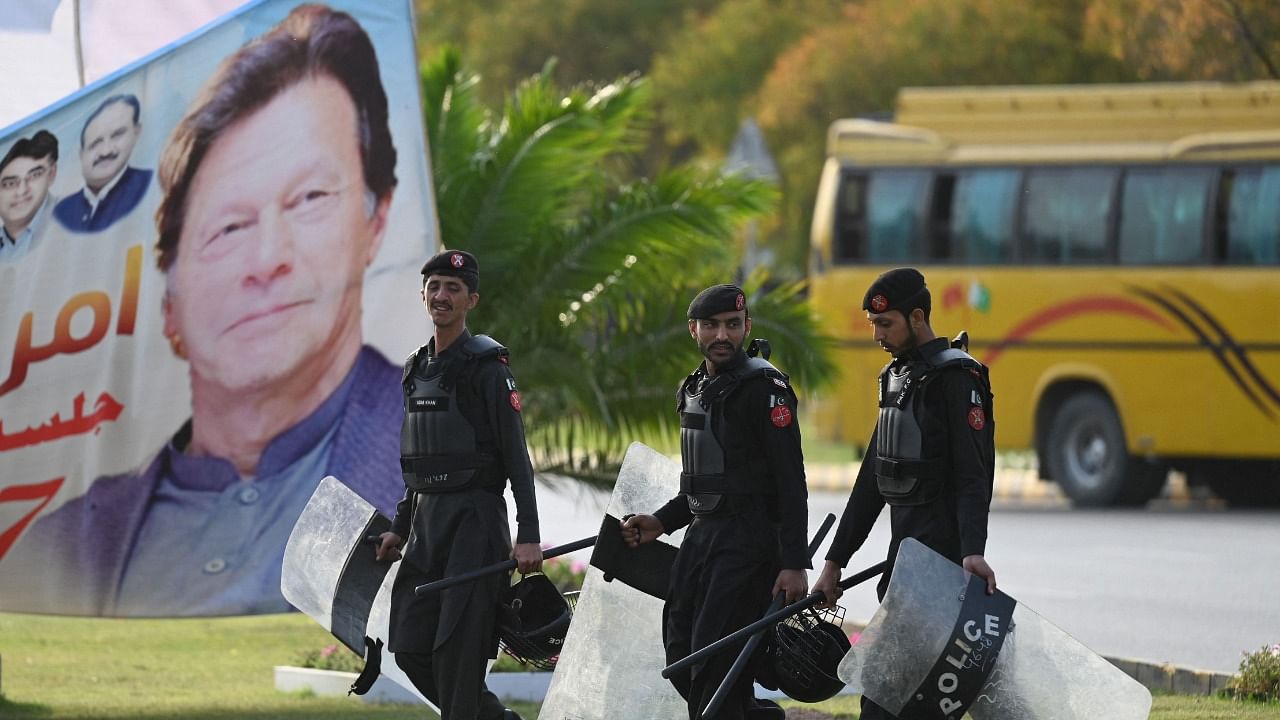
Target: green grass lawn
[(1165, 707), (215, 669)]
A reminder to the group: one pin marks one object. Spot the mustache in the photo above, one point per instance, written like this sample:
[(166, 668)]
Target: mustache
[(109, 157)]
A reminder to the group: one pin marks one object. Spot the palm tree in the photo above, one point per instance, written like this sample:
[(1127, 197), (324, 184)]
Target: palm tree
[(587, 273)]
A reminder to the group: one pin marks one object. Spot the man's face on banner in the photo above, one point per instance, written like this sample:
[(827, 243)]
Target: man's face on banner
[(24, 183), (278, 231), (108, 142)]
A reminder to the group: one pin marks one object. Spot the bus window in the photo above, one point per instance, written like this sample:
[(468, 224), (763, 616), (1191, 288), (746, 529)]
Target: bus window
[(851, 219), (1162, 215), (896, 214), (982, 216), (1066, 213), (1253, 215)]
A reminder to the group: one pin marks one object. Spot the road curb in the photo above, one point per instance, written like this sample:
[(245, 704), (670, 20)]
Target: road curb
[(1170, 678)]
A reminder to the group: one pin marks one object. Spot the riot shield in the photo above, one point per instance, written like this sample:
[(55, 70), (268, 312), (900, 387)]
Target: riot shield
[(329, 572), (939, 645), (613, 654)]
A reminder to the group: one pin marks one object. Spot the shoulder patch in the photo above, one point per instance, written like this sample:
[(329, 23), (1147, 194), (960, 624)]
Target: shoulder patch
[(977, 418), (780, 416), (514, 399), (779, 382)]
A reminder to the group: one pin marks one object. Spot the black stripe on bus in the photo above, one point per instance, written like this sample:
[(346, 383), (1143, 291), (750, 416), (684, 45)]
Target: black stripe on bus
[(1212, 347), (1229, 343)]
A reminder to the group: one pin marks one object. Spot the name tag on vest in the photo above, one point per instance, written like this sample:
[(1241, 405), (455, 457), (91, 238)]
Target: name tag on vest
[(428, 404), (693, 421)]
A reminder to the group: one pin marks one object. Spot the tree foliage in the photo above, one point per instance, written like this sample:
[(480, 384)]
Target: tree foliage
[(507, 41), (1190, 39), (707, 78), (586, 271)]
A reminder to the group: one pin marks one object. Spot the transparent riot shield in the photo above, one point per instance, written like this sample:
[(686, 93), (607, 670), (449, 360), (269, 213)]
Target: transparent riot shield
[(329, 572), (938, 646), (613, 656)]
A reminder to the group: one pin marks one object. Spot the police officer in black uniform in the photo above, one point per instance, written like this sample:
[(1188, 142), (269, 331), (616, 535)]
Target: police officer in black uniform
[(931, 457), (462, 439), (743, 496)]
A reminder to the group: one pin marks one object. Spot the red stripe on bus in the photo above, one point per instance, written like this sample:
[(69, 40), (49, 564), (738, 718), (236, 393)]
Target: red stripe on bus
[(1072, 308)]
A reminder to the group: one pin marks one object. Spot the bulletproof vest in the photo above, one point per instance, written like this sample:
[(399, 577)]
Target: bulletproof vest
[(441, 448), (703, 480), (907, 473)]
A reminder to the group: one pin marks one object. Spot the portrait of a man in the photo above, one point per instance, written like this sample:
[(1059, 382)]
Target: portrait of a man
[(276, 189), (112, 188), (27, 172)]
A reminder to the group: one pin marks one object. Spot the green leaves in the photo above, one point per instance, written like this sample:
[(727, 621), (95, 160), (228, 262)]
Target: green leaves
[(587, 271)]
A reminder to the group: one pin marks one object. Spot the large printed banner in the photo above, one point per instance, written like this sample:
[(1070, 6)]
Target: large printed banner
[(208, 275)]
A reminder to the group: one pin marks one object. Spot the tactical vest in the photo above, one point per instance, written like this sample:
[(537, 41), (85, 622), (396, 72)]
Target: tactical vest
[(907, 473), (703, 479), (441, 449)]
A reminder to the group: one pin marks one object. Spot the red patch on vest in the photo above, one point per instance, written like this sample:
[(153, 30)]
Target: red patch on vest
[(780, 416), (456, 260), (514, 398), (977, 418), (879, 303)]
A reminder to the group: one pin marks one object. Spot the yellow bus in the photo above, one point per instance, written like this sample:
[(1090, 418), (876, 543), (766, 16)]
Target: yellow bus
[(1113, 252)]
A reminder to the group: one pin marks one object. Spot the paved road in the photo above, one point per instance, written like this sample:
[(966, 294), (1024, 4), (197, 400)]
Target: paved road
[(1186, 583)]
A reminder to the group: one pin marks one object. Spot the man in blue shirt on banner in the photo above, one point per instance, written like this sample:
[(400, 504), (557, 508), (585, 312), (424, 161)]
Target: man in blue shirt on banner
[(112, 189)]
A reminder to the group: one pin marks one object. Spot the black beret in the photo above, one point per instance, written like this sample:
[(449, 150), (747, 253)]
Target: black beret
[(901, 289), (455, 263), (717, 299)]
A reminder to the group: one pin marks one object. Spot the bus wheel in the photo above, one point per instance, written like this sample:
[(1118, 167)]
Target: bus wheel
[(1243, 484), (1088, 459)]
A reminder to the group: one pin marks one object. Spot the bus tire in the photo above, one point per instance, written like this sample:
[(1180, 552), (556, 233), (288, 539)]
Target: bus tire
[(1088, 456), (1243, 484)]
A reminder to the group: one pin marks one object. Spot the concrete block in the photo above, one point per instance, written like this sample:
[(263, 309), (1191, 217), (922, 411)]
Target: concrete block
[(1156, 677), (1128, 666), (1192, 682), (1219, 682)]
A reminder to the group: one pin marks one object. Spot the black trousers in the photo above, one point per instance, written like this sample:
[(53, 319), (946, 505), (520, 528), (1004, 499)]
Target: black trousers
[(468, 696), (720, 582)]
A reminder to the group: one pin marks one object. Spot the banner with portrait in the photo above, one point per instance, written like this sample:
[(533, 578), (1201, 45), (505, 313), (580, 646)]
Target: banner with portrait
[(209, 274)]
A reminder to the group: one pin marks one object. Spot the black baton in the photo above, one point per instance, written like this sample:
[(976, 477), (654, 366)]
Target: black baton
[(504, 566), (737, 636)]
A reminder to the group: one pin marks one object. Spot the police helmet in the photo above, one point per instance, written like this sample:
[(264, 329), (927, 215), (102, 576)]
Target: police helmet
[(806, 649), (533, 618)]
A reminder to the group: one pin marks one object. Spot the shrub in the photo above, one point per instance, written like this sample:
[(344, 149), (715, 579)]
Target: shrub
[(332, 657), (1259, 677)]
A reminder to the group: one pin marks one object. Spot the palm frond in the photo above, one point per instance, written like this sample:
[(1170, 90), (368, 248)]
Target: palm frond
[(588, 274)]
